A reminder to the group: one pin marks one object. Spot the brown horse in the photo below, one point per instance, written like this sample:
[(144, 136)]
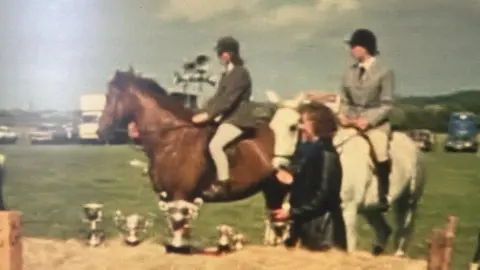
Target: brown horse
[(179, 164)]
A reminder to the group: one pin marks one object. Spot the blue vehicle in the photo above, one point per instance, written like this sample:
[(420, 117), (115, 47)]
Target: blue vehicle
[(462, 132)]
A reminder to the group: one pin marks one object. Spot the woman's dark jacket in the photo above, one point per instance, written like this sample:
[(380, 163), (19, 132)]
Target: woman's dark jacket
[(317, 180)]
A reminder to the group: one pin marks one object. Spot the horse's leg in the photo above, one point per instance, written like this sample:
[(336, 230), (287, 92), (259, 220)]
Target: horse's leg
[(350, 219), (274, 193), (476, 256), (405, 215), (376, 219), (406, 209)]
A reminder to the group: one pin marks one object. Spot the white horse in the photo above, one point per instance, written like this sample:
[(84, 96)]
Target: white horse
[(359, 191)]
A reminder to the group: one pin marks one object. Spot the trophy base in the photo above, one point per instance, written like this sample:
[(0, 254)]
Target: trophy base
[(95, 238), (185, 249), (132, 243)]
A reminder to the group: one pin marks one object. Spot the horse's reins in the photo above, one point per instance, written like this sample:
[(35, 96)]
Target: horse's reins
[(362, 134), (159, 131)]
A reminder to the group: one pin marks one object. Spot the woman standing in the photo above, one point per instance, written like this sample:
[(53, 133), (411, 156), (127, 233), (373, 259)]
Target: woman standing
[(317, 177)]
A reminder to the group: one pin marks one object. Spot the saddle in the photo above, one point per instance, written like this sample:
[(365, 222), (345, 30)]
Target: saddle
[(262, 113)]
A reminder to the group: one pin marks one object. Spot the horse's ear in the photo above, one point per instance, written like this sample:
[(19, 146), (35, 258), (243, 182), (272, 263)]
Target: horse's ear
[(300, 99), (273, 96), (295, 102)]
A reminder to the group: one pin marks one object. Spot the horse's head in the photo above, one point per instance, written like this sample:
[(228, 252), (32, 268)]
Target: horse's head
[(130, 95), (285, 126), (119, 103)]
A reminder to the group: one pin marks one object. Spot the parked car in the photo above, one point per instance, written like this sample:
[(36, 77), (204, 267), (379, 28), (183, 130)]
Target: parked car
[(7, 136), (462, 133), (424, 139), (48, 133)]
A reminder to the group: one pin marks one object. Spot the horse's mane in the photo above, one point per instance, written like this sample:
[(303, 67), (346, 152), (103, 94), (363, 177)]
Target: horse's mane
[(122, 80)]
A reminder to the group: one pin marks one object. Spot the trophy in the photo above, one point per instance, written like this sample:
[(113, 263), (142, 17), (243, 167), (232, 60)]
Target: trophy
[(179, 216), (93, 215), (239, 241), (224, 242), (134, 227)]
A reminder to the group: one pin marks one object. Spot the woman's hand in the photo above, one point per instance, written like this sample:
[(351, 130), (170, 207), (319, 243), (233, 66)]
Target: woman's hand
[(200, 117), (361, 123), (281, 214), (344, 120), (284, 177)]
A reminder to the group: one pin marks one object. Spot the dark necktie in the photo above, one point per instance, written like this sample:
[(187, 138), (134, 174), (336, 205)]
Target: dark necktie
[(361, 71)]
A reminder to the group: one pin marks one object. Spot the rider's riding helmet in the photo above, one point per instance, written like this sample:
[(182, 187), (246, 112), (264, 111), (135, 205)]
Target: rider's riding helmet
[(364, 38), (227, 44)]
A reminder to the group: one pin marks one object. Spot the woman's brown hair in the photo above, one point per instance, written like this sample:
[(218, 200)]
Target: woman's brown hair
[(324, 120)]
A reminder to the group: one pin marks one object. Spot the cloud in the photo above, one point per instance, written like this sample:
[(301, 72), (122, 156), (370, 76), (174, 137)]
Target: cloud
[(200, 10), (256, 14), (301, 14)]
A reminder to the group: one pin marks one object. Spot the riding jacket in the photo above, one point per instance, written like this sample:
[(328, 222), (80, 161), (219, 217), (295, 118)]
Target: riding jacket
[(232, 99), (368, 93)]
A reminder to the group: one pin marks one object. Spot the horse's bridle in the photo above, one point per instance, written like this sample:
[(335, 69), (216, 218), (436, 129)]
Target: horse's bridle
[(161, 131), (337, 145)]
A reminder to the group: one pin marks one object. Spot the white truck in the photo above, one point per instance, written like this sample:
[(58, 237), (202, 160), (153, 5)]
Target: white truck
[(91, 107)]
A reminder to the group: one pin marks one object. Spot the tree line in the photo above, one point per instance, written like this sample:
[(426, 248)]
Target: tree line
[(430, 112), (433, 112)]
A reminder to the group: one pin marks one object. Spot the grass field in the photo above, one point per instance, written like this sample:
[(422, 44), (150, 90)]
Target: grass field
[(49, 184)]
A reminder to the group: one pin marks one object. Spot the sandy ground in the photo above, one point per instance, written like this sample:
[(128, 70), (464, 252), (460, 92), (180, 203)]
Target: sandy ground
[(40, 254)]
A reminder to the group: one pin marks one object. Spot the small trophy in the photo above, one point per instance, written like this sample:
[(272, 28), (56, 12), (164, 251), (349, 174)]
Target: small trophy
[(224, 242), (93, 215), (238, 241), (134, 227)]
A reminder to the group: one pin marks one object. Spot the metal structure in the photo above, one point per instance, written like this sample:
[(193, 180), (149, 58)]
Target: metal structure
[(194, 72)]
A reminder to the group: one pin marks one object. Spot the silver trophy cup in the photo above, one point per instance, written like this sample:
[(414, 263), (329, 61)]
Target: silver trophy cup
[(134, 227), (179, 216), (93, 215)]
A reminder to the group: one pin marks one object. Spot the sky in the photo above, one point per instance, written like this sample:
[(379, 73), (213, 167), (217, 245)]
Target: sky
[(51, 52)]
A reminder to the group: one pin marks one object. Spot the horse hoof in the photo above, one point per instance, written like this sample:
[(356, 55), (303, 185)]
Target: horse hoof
[(378, 250)]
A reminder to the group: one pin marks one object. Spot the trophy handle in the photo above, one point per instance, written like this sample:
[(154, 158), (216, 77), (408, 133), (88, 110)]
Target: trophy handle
[(198, 202), (163, 206)]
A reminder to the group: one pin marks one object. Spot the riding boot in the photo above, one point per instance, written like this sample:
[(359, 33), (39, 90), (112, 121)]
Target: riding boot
[(383, 175), (218, 189)]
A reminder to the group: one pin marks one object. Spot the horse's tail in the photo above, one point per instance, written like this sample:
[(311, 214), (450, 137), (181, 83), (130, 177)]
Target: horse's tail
[(2, 176)]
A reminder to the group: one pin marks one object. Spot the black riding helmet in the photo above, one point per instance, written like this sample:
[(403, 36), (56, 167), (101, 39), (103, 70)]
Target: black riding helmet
[(227, 44), (364, 38)]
